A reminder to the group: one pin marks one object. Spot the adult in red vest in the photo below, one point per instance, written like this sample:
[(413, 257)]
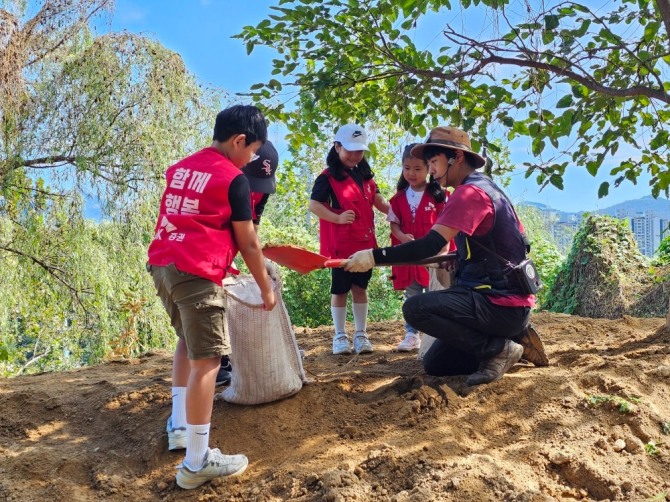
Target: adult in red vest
[(343, 197), (204, 220)]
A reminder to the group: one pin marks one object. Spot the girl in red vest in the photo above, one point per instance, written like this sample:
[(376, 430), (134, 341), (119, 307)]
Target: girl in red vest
[(343, 197), (414, 210)]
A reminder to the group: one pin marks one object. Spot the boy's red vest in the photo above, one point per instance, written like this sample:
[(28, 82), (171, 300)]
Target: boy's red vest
[(426, 215), (194, 230), (341, 241)]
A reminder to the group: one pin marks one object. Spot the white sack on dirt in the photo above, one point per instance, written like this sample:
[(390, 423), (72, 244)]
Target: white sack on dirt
[(266, 360)]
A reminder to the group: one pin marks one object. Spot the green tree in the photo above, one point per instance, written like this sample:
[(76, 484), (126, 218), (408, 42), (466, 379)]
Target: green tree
[(83, 118), (580, 84), (544, 251)]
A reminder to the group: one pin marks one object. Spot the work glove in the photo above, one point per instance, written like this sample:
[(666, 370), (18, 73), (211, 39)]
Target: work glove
[(271, 269), (360, 261)]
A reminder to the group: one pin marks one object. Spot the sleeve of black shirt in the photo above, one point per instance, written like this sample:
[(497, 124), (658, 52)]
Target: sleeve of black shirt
[(260, 207), (321, 189), (239, 198), (418, 249)]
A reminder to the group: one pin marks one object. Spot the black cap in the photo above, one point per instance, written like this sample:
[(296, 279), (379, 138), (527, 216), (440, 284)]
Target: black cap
[(261, 170)]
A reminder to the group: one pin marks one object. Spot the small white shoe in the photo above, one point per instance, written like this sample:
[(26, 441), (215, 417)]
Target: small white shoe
[(362, 343), (411, 342), (341, 344)]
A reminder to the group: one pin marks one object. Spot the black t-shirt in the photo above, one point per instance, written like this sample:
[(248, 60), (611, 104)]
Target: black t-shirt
[(322, 191), (239, 198), (260, 207)]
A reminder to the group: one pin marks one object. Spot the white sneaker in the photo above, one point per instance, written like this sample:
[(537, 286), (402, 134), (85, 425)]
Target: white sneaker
[(341, 344), (411, 342), (362, 344), (176, 436), (215, 464)]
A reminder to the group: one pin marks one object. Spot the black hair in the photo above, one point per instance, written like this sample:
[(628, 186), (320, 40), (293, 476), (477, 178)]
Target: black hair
[(432, 187), (241, 119), (340, 172), (436, 191), (431, 151), (406, 154)]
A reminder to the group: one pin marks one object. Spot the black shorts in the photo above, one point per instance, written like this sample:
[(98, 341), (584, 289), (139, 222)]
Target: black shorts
[(341, 280)]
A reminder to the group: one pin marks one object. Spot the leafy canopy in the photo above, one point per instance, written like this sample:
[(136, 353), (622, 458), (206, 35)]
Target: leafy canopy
[(84, 118), (584, 86)]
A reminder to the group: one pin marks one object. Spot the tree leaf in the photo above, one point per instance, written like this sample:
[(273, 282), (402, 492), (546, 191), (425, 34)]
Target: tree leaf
[(604, 189), (551, 22), (565, 101)]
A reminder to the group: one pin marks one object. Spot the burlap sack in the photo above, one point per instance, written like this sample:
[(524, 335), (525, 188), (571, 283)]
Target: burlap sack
[(266, 360), (439, 279)]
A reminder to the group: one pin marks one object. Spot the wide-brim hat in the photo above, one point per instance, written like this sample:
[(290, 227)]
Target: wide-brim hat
[(450, 138), (261, 170)]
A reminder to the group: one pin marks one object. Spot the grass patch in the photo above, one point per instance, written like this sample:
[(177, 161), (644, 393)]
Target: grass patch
[(652, 448), (624, 405)]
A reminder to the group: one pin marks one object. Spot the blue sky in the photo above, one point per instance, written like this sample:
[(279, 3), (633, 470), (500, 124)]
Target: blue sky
[(200, 31)]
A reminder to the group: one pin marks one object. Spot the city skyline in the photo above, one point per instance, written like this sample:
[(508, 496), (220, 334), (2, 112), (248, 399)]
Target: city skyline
[(647, 218)]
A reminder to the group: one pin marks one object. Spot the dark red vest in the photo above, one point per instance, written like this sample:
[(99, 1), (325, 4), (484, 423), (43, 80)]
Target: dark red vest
[(426, 215), (341, 241)]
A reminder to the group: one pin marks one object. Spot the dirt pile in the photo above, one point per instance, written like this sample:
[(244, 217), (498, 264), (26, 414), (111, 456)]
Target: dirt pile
[(605, 275), (592, 426)]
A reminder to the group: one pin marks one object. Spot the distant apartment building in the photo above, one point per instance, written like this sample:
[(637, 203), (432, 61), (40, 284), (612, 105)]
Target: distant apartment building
[(649, 225), (649, 230)]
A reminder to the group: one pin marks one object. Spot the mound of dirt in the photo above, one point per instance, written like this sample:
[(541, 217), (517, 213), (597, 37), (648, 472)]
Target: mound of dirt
[(605, 275), (592, 426)]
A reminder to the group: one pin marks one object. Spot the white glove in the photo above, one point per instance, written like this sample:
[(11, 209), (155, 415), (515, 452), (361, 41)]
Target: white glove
[(391, 217), (360, 261), (271, 269)]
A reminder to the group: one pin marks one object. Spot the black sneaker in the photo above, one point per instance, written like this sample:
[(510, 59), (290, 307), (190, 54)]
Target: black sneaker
[(493, 369), (225, 374)]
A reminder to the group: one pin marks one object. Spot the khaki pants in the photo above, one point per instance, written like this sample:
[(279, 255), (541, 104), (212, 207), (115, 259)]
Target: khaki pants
[(197, 310)]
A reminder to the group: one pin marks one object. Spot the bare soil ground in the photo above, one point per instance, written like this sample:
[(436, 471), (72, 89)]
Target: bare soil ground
[(592, 426)]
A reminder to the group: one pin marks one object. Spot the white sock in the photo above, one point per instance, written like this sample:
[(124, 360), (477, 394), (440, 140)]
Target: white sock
[(360, 315), (339, 318), (197, 441), (178, 407)]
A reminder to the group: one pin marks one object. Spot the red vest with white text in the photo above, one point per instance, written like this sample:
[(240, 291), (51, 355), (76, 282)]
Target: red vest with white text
[(194, 230)]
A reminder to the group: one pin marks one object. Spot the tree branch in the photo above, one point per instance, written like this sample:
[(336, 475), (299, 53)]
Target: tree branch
[(636, 90), (663, 7), (55, 272)]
